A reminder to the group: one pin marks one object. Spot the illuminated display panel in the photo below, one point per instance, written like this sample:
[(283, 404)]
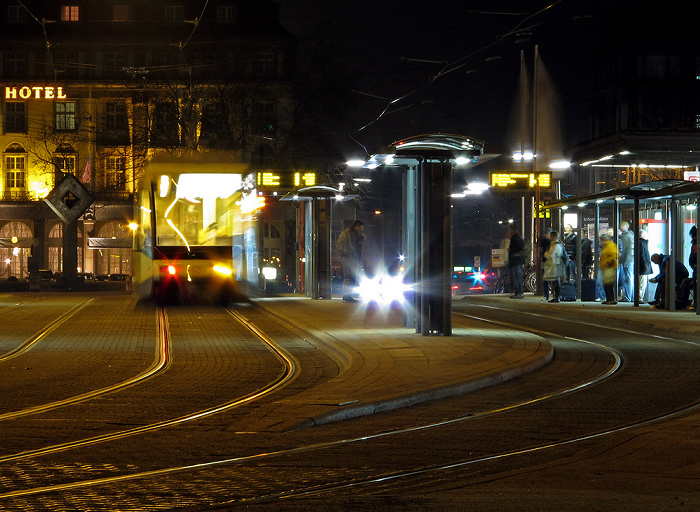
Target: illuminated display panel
[(520, 180), (285, 180)]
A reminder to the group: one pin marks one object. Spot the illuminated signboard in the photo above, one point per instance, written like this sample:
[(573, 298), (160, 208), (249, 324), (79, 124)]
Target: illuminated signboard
[(277, 179), (38, 93), (520, 180)]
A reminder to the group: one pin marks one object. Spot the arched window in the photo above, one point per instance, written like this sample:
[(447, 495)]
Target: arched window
[(13, 260), (113, 260)]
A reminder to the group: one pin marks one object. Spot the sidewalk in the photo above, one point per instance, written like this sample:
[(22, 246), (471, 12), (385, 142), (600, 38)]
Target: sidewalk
[(385, 366), (642, 317)]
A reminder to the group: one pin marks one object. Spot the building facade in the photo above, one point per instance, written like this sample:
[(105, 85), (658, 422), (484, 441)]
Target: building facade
[(95, 88), (645, 109)]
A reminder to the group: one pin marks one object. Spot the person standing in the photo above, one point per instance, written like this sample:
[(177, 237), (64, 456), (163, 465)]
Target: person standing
[(608, 266), (554, 265), (544, 244), (626, 246), (516, 260), (570, 246), (644, 263), (349, 244)]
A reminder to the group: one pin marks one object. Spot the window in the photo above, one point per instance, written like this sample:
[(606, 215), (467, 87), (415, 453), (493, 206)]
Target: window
[(65, 163), (264, 64), (62, 61), (70, 13), (271, 231), (226, 14), (264, 118), (121, 13), (115, 116), (16, 14), (114, 61), (15, 65), (115, 167), (174, 13), (15, 118), (65, 116), (15, 171)]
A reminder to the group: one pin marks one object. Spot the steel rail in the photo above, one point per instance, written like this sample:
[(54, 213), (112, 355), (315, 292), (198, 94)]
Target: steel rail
[(288, 372), (617, 362), (34, 339), (162, 361), (410, 472)]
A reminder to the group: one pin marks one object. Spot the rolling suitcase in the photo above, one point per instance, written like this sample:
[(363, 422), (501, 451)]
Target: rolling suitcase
[(588, 288), (568, 292)]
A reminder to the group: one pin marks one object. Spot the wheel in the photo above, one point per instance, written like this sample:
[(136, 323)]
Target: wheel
[(530, 281)]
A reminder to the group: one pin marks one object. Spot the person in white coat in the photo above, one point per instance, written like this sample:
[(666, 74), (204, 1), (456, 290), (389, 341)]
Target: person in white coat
[(554, 265)]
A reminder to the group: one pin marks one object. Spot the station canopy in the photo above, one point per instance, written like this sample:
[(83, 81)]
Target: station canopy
[(643, 192)]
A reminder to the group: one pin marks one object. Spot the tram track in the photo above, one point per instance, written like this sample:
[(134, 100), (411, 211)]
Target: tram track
[(28, 343), (303, 449), (288, 371), (310, 489)]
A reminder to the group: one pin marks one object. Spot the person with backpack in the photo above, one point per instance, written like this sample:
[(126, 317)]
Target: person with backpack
[(554, 265)]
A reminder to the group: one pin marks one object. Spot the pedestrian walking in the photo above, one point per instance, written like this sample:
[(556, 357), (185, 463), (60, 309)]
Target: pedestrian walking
[(349, 244), (554, 266)]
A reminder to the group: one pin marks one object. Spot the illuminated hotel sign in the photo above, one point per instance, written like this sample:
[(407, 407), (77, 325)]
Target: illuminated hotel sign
[(276, 179), (38, 93), (520, 180)]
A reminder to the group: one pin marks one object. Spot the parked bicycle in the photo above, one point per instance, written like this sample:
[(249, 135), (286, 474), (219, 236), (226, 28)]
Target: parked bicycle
[(505, 281)]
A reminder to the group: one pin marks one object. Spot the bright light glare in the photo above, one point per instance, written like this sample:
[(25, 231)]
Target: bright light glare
[(384, 289), (355, 163), (223, 270), (172, 270), (558, 165), (527, 156), (270, 273)]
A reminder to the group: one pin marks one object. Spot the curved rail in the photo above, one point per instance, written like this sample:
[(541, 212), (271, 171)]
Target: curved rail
[(31, 341), (287, 374), (161, 362)]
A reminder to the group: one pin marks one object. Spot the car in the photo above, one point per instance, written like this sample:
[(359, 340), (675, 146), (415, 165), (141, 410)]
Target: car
[(101, 277), (470, 283), (119, 277), (86, 276), (46, 275)]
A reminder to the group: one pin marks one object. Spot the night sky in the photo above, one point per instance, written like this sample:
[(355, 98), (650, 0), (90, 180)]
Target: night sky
[(394, 50), (394, 56)]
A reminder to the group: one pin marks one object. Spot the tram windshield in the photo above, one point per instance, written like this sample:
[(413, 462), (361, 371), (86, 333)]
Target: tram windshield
[(197, 209)]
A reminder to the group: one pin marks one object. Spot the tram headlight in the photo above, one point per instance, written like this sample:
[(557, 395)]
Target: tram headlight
[(223, 270)]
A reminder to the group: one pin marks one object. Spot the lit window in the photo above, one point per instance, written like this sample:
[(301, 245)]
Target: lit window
[(121, 13), (65, 116), (15, 171), (65, 163), (70, 13), (115, 167)]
